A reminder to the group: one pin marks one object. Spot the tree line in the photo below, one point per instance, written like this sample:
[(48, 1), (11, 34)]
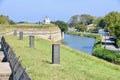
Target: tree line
[(5, 20), (110, 22)]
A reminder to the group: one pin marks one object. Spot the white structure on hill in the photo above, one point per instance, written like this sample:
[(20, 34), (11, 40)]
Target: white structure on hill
[(46, 20)]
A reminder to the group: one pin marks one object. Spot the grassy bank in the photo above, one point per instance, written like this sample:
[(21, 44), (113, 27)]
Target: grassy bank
[(74, 65), (5, 28)]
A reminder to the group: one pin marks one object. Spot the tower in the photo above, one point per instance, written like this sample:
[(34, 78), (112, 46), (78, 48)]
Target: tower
[(46, 20)]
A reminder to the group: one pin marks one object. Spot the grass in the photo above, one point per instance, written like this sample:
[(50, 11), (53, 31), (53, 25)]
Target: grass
[(74, 65), (7, 28)]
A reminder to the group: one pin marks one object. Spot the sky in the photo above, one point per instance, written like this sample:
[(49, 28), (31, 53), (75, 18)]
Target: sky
[(37, 10)]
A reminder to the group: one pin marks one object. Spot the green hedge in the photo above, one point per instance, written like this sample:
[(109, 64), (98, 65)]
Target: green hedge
[(105, 54), (108, 55), (118, 43)]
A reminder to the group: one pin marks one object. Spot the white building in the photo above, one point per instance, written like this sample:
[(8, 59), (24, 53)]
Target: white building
[(46, 20), (90, 26)]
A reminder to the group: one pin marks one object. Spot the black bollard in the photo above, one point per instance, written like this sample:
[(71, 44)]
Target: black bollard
[(31, 43), (15, 33), (55, 53), (21, 35)]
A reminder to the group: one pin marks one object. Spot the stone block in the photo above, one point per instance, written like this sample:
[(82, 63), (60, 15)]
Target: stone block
[(5, 71), (1, 56)]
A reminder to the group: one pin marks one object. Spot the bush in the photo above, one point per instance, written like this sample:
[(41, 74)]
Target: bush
[(117, 61), (107, 55), (62, 25), (93, 30), (118, 42)]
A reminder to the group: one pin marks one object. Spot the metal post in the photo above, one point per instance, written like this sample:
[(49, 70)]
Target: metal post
[(50, 37), (21, 35), (55, 53), (105, 39), (15, 33), (31, 43), (62, 35)]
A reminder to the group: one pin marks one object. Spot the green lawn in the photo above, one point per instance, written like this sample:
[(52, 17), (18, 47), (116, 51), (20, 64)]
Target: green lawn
[(7, 28), (74, 65)]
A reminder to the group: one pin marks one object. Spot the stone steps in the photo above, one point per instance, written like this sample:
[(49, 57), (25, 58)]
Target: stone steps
[(5, 69), (1, 56)]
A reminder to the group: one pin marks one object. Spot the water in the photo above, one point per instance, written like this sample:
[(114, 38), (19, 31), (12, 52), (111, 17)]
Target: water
[(83, 44)]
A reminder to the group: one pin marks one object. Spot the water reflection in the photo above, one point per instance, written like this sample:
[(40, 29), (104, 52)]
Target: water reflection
[(83, 44)]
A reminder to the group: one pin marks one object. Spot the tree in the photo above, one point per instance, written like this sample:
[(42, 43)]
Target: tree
[(117, 31), (23, 22), (86, 19), (101, 22), (81, 19), (117, 34), (11, 22), (62, 25), (81, 27), (74, 20), (113, 25), (112, 19), (4, 19)]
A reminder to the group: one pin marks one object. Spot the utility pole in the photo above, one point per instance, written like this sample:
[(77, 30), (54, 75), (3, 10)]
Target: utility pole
[(105, 39), (105, 34)]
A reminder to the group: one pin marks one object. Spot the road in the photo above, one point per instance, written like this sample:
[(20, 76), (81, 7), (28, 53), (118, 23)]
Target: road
[(109, 44)]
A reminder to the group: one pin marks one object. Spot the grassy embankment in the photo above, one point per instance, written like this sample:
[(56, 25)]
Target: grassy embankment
[(99, 51), (7, 28), (74, 65)]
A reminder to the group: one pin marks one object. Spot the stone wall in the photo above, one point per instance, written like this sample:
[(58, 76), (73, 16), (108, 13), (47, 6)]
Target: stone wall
[(54, 35)]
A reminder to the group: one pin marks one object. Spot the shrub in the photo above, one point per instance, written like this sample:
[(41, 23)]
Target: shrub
[(107, 55), (118, 43)]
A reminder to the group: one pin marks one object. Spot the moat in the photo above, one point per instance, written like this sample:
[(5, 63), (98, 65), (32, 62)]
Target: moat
[(83, 44)]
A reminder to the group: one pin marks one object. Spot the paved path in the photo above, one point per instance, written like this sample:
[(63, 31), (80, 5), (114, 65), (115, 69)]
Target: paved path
[(109, 44), (5, 70)]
